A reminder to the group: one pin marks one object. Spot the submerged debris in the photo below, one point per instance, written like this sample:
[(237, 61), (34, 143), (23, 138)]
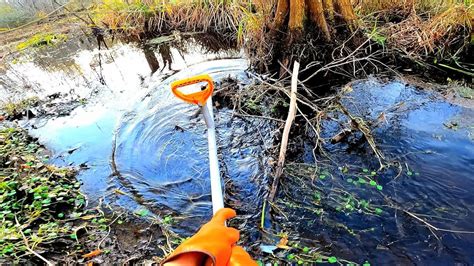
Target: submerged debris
[(54, 105)]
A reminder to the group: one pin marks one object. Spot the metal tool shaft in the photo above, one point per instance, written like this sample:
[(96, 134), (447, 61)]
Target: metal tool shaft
[(216, 186)]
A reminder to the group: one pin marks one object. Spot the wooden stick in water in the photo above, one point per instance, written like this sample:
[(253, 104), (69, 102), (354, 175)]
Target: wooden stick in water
[(286, 131)]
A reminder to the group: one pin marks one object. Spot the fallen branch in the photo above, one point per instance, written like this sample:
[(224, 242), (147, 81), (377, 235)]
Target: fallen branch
[(286, 131), (430, 226), (27, 246)]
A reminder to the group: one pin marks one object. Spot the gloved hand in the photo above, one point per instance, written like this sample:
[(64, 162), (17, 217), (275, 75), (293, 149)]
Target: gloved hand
[(213, 244), (240, 257)]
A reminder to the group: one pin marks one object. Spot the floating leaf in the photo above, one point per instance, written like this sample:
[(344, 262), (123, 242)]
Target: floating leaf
[(362, 181), (92, 254), (332, 259), (322, 177), (305, 249), (366, 263), (350, 180), (365, 170), (373, 173), (317, 195), (344, 169), (409, 173), (61, 215), (379, 187), (120, 192), (290, 256), (373, 183), (378, 211), (142, 212), (283, 243), (168, 219)]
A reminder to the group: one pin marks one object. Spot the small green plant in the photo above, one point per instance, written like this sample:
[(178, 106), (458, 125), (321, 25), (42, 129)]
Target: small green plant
[(168, 219), (377, 37), (40, 204), (41, 39), (16, 108), (142, 212)]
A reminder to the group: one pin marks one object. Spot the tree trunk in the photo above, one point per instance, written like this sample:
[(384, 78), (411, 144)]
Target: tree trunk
[(316, 13), (344, 7), (317, 10), (280, 14), (297, 15), (328, 6)]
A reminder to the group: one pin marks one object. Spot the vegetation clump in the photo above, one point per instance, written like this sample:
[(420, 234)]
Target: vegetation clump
[(41, 207), (41, 39), (16, 109)]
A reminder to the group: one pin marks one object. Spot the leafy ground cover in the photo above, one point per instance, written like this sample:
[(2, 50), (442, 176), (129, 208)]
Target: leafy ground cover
[(42, 208)]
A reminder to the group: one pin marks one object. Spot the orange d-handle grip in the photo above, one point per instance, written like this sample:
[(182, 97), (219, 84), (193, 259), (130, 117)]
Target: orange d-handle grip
[(199, 97)]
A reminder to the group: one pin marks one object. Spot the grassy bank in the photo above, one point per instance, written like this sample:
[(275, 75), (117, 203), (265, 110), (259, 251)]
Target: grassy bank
[(426, 32)]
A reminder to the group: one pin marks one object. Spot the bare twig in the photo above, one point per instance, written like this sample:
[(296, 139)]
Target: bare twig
[(432, 227), (28, 246), (286, 131)]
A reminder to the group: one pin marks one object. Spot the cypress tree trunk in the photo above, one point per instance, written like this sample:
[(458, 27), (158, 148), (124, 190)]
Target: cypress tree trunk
[(318, 12)]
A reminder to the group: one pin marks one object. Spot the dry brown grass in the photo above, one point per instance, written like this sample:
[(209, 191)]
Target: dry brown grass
[(404, 7), (136, 17), (416, 27), (421, 37)]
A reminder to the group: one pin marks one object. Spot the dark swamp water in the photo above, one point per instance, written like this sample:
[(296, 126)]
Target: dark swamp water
[(144, 151)]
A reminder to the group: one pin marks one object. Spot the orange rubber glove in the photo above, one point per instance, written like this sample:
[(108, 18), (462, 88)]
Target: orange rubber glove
[(240, 257), (213, 244)]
